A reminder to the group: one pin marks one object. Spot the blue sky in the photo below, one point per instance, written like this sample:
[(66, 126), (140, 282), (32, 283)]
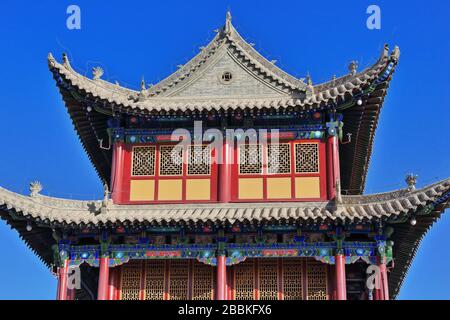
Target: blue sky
[(143, 38)]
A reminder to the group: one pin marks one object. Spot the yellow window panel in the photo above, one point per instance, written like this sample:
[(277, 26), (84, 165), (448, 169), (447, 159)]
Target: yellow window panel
[(279, 188), (170, 190), (307, 187), (142, 190), (250, 188), (198, 189)]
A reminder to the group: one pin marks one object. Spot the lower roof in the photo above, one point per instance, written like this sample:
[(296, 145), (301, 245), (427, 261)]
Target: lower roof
[(352, 209), (48, 213)]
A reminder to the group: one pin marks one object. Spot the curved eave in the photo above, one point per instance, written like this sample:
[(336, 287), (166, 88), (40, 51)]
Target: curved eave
[(90, 128), (410, 237), (46, 213), (352, 209), (335, 92), (361, 122)]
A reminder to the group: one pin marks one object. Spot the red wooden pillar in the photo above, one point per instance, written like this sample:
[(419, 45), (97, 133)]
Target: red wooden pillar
[(333, 166), (113, 284), (384, 288), (229, 287), (221, 277), (103, 278), (63, 280), (341, 290), (117, 172), (225, 173), (330, 168)]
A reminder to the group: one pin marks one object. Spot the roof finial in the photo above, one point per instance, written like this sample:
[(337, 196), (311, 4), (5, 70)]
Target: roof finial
[(228, 22), (97, 72), (309, 79), (411, 180), (35, 188), (106, 194), (353, 67), (66, 61), (395, 54), (143, 84)]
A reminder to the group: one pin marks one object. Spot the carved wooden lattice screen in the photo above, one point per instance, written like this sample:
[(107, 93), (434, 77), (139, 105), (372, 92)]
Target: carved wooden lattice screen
[(130, 281), (143, 163), (244, 281), (279, 158), (154, 279), (268, 279), (250, 159), (317, 280), (202, 281), (178, 279), (170, 161), (306, 158), (292, 279), (199, 160)]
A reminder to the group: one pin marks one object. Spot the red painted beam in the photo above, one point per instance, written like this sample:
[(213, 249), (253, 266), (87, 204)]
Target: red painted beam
[(103, 279), (341, 290)]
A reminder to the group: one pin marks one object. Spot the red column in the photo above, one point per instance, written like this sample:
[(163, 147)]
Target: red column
[(221, 277), (117, 173), (384, 280), (228, 285), (333, 166), (102, 293), (341, 290), (113, 284), (63, 280), (225, 173), (330, 168)]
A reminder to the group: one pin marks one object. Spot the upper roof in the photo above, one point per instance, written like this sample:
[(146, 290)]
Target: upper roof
[(427, 204), (256, 84)]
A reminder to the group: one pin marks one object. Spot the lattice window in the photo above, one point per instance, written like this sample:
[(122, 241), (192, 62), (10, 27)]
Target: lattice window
[(279, 158), (143, 161), (178, 279), (202, 281), (171, 161), (268, 279), (292, 279), (317, 280), (131, 281), (250, 159), (306, 158), (199, 160), (154, 279), (244, 280)]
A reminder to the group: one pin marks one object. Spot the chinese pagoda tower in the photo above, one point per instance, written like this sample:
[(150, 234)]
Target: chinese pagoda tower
[(229, 180)]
